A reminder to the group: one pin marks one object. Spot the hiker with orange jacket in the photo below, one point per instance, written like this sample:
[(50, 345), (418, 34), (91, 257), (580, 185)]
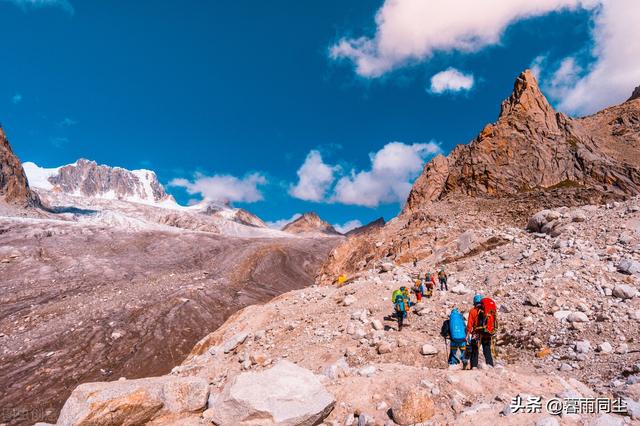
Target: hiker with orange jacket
[(481, 326)]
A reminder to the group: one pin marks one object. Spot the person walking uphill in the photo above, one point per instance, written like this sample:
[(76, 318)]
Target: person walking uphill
[(429, 284), (442, 277), (481, 326), (453, 329), (418, 289), (402, 304)]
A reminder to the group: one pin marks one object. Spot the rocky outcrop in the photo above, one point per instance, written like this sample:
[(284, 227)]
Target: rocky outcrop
[(14, 188), (285, 395), (369, 227), (531, 146), (134, 401), (635, 94), (247, 218), (87, 178), (310, 223)]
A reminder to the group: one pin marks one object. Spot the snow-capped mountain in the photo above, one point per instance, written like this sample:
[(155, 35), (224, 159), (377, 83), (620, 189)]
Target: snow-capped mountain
[(86, 178), (134, 199)]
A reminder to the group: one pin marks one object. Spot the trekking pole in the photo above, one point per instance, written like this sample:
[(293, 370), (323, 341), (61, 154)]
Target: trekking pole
[(446, 349)]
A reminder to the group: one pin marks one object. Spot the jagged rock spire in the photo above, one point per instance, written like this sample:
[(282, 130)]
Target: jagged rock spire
[(635, 94), (527, 100)]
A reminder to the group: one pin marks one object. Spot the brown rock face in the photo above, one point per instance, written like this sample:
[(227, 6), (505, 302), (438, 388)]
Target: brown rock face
[(308, 223), (533, 147), (14, 187)]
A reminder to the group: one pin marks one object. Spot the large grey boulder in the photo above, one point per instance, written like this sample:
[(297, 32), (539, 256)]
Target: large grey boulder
[(546, 222), (133, 401), (624, 291), (629, 266), (285, 395)]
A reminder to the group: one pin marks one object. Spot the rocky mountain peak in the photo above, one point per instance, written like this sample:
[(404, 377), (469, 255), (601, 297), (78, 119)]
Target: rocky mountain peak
[(14, 187), (308, 223), (531, 146), (527, 100), (635, 94)]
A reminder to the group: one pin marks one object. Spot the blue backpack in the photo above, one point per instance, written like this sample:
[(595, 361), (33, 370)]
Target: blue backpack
[(457, 329)]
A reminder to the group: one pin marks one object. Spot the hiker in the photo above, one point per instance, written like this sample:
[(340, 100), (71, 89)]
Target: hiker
[(418, 289), (454, 329), (442, 277), (481, 327), (429, 284), (402, 305)]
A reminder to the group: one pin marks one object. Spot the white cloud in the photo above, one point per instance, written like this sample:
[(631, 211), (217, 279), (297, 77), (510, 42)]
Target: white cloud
[(314, 178), (280, 223), (563, 79), (67, 122), (16, 99), (413, 30), (389, 180), (616, 70), (451, 80), (347, 226), (225, 188), (27, 4), (537, 64)]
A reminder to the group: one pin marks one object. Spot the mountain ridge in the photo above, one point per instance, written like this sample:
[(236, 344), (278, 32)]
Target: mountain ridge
[(310, 222)]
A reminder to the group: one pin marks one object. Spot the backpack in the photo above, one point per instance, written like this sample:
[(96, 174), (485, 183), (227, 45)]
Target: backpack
[(488, 315), (457, 329), (401, 303), (444, 329), (395, 295)]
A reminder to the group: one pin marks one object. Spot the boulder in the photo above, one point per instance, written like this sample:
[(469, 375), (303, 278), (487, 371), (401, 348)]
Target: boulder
[(545, 222), (416, 407), (286, 395), (605, 348), (583, 347), (561, 315), (234, 342), (134, 401), (387, 267), (624, 291), (428, 349), (629, 266), (377, 324), (384, 348), (349, 300), (460, 289), (633, 408), (577, 317)]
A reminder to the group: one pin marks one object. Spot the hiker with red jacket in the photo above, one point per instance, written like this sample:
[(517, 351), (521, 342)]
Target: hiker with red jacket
[(481, 326)]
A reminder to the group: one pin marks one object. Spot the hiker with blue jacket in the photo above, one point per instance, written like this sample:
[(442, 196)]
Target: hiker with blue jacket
[(454, 329)]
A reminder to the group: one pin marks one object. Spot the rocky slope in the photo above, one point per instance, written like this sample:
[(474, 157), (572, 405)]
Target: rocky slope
[(569, 307), (14, 188), (310, 223), (531, 158)]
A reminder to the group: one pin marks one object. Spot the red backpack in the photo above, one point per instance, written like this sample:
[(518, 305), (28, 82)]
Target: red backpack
[(488, 315)]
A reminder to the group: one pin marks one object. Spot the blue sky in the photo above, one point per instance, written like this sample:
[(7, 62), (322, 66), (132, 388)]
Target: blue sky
[(232, 98)]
